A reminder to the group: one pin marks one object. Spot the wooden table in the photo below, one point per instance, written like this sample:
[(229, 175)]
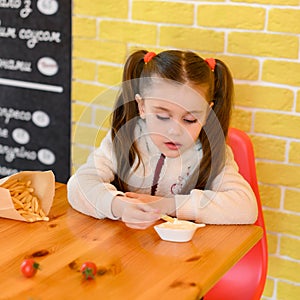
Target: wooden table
[(134, 264)]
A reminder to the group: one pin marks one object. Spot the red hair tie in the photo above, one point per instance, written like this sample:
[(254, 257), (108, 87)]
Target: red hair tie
[(211, 62), (148, 56)]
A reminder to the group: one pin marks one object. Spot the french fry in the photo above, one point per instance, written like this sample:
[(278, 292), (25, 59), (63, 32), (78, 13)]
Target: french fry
[(9, 183), (17, 202), (25, 202), (167, 218)]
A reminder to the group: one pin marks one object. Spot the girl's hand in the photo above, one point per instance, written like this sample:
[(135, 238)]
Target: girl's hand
[(162, 204), (144, 198), (134, 213)]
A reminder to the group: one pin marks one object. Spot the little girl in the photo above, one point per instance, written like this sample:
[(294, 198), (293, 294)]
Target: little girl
[(166, 152)]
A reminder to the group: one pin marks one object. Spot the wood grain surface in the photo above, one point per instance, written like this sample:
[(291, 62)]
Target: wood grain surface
[(132, 264)]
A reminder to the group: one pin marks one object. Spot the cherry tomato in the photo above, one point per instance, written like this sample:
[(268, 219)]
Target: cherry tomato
[(88, 270), (29, 267)]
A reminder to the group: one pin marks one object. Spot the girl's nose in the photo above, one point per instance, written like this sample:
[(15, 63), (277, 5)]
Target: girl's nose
[(175, 128)]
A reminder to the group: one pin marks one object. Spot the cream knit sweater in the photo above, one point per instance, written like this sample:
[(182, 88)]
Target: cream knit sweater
[(230, 200)]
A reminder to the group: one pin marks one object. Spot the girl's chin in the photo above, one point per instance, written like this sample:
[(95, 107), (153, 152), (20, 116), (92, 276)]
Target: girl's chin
[(172, 155)]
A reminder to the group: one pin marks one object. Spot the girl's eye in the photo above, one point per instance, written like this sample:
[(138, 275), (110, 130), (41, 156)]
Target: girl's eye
[(163, 118), (190, 121)]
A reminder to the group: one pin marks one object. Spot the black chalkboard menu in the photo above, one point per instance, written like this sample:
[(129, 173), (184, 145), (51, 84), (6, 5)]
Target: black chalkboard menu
[(35, 79)]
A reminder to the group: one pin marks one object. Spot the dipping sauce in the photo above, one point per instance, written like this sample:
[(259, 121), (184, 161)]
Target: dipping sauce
[(178, 224)]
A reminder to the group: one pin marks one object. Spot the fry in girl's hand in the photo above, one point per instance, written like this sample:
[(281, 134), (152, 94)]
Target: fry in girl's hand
[(167, 218), (24, 200)]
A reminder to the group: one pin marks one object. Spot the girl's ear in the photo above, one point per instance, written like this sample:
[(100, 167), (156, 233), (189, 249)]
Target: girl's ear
[(140, 102)]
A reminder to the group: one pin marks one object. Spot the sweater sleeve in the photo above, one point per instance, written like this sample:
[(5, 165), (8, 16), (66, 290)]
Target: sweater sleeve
[(89, 189), (230, 201)]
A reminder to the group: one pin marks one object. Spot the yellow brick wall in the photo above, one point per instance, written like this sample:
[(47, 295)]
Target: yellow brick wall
[(259, 40)]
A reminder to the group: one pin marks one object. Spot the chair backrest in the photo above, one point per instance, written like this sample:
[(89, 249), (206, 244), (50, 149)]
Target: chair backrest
[(246, 280)]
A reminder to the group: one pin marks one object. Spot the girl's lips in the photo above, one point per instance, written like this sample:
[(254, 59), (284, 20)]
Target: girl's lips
[(173, 146)]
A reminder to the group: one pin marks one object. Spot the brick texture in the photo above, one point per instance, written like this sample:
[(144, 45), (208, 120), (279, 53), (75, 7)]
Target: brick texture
[(128, 32), (264, 97), (287, 290), (290, 247), (269, 148), (238, 17), (291, 201), (266, 171), (242, 68), (163, 12), (84, 27), (278, 20), (282, 72), (298, 102), (277, 124), (84, 70), (192, 38), (270, 196), (258, 44), (103, 8)]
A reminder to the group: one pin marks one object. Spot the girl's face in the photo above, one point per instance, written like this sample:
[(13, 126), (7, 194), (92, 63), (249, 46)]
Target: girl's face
[(174, 115)]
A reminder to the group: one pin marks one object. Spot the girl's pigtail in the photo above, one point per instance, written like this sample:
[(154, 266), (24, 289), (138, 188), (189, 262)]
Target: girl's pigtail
[(124, 118), (223, 95), (214, 133), (134, 65)]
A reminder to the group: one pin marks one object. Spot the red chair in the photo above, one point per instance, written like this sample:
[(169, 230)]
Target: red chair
[(246, 279)]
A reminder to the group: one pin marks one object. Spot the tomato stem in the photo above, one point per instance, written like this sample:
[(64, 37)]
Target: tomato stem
[(88, 273), (36, 266)]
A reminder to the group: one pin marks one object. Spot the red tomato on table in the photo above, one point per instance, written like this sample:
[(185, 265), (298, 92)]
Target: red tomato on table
[(29, 267), (88, 270)]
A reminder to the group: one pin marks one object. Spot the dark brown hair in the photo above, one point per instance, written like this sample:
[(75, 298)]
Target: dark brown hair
[(187, 68)]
